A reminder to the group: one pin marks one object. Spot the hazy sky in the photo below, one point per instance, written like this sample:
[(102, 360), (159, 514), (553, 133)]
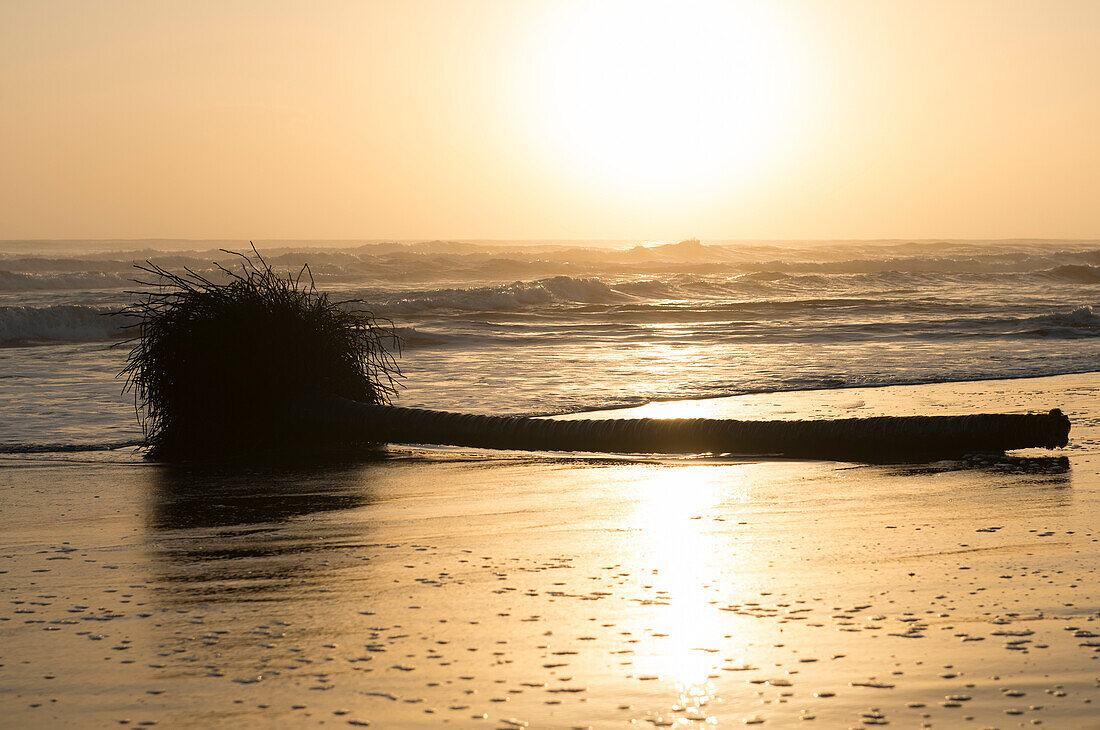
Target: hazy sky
[(527, 119)]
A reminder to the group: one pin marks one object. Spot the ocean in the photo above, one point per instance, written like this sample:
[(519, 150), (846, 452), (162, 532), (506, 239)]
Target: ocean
[(500, 589), (533, 328)]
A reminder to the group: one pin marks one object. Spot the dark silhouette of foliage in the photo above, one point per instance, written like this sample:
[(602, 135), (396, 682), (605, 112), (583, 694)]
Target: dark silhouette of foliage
[(214, 366)]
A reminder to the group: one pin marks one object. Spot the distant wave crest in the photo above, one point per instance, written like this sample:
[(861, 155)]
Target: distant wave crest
[(19, 281), (1080, 273), (744, 264)]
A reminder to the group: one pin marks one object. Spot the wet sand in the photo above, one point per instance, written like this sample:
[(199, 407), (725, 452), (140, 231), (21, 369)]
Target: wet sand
[(480, 589)]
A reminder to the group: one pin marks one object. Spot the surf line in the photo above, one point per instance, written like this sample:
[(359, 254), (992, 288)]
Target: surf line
[(264, 364)]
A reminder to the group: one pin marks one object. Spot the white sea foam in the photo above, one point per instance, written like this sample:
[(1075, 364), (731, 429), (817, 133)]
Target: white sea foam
[(517, 295), (22, 281)]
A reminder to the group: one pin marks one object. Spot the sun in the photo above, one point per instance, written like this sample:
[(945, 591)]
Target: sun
[(665, 96)]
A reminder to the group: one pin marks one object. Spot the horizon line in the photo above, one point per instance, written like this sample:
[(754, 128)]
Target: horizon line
[(429, 239)]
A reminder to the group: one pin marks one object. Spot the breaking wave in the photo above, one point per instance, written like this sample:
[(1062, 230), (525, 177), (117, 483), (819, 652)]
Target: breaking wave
[(564, 309), (60, 323), (1080, 273), (751, 264), (533, 328), (1081, 322), (518, 295)]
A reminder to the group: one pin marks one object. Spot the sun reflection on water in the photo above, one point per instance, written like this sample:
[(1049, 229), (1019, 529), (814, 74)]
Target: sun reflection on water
[(678, 546)]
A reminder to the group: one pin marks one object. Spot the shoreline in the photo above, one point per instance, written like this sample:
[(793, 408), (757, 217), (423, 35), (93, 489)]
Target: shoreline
[(557, 591), (719, 406), (871, 400), (747, 394)]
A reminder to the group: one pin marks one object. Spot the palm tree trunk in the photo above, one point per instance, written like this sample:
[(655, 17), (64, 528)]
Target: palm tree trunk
[(883, 438)]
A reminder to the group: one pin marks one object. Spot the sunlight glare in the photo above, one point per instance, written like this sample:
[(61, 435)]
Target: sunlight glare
[(681, 548), (662, 97)]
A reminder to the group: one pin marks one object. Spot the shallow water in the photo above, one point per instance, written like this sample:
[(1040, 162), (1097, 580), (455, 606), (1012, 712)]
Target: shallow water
[(443, 586)]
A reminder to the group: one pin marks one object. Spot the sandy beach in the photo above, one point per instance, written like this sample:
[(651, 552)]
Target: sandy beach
[(246, 245), (482, 589)]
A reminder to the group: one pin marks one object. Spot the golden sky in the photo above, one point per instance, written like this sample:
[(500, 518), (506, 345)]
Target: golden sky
[(556, 119)]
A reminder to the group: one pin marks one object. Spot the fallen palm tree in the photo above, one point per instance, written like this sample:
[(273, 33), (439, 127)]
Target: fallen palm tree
[(264, 364)]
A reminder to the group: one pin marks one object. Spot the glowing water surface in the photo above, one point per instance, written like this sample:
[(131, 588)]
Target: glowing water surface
[(490, 590)]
